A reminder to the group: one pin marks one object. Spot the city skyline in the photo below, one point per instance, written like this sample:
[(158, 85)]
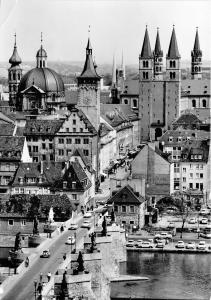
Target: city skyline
[(110, 28)]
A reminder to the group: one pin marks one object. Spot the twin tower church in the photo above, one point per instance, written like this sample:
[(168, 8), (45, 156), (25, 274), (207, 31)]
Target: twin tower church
[(42, 90)]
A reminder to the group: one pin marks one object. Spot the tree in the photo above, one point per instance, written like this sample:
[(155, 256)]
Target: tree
[(64, 288), (104, 225), (80, 262), (35, 227)]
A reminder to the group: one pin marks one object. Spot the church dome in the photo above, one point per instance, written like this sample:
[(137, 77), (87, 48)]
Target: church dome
[(44, 78)]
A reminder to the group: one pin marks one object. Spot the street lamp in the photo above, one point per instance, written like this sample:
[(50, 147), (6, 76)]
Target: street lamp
[(35, 289)]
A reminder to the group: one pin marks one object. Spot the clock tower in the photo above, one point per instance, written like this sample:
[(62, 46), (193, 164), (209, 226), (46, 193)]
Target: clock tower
[(89, 89)]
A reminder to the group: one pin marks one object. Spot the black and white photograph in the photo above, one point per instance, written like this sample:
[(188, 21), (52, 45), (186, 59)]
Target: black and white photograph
[(105, 173)]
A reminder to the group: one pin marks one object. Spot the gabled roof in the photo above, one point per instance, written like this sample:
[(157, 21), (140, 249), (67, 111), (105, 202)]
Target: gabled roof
[(146, 48), (187, 119), (173, 51), (52, 172), (89, 125), (42, 127), (32, 88), (87, 163), (7, 129), (5, 118), (11, 148), (126, 195), (193, 150)]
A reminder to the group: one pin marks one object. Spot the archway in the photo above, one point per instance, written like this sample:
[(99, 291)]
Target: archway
[(158, 133)]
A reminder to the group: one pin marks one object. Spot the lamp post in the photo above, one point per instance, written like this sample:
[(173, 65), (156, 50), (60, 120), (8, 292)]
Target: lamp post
[(75, 240), (35, 289)]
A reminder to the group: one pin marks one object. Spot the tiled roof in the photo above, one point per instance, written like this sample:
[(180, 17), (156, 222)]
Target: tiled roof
[(179, 137), (6, 118), (116, 114), (192, 152), (187, 119), (6, 129), (42, 127), (11, 147), (126, 195), (51, 172)]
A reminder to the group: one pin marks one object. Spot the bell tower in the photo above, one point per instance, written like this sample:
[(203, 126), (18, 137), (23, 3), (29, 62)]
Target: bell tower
[(173, 60), (41, 56), (146, 60), (196, 59), (89, 89), (158, 59), (14, 75)]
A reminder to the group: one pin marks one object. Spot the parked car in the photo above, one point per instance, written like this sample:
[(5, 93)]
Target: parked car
[(190, 245), (160, 245), (171, 225), (73, 226), (166, 235), (130, 243), (206, 235), (204, 212), (204, 221), (145, 244), (192, 221), (70, 240), (180, 244), (138, 243), (201, 245), (88, 215), (45, 254), (86, 224)]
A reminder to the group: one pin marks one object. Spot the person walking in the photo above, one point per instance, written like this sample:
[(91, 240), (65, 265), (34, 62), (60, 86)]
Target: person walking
[(40, 277)]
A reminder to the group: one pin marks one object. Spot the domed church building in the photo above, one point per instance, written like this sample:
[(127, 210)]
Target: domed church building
[(40, 89)]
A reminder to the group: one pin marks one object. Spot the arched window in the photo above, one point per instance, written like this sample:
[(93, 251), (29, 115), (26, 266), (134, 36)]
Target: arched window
[(204, 103), (43, 64), (193, 103), (146, 75), (157, 69), (14, 77), (199, 69), (135, 103), (10, 76), (196, 69), (19, 76), (174, 75), (40, 64), (174, 64), (147, 64), (126, 101)]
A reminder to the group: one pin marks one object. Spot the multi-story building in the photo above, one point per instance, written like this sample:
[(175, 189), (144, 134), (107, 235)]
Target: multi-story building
[(129, 207), (13, 151), (158, 96), (194, 168)]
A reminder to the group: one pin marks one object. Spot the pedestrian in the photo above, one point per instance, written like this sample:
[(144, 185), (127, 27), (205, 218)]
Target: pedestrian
[(49, 276), (62, 228), (64, 256), (39, 288), (40, 277), (27, 262)]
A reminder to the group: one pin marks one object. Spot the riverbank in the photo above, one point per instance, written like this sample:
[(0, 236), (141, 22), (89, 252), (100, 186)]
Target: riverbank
[(170, 250)]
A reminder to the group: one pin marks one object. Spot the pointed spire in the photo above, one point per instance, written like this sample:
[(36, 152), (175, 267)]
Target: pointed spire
[(114, 72), (196, 48), (41, 52), (89, 70), (146, 48), (158, 51), (123, 65), (15, 58), (173, 51)]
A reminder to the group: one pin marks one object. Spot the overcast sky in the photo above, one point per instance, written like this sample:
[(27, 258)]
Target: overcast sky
[(116, 25)]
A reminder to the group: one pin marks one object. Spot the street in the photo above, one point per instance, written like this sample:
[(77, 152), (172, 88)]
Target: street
[(25, 286)]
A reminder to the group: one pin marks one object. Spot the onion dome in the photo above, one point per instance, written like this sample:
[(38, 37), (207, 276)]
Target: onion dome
[(44, 78), (15, 58)]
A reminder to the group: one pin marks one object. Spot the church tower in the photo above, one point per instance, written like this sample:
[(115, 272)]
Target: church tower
[(122, 75), (41, 56), (158, 59), (146, 60), (114, 84), (196, 59), (14, 75), (89, 89), (173, 59)]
